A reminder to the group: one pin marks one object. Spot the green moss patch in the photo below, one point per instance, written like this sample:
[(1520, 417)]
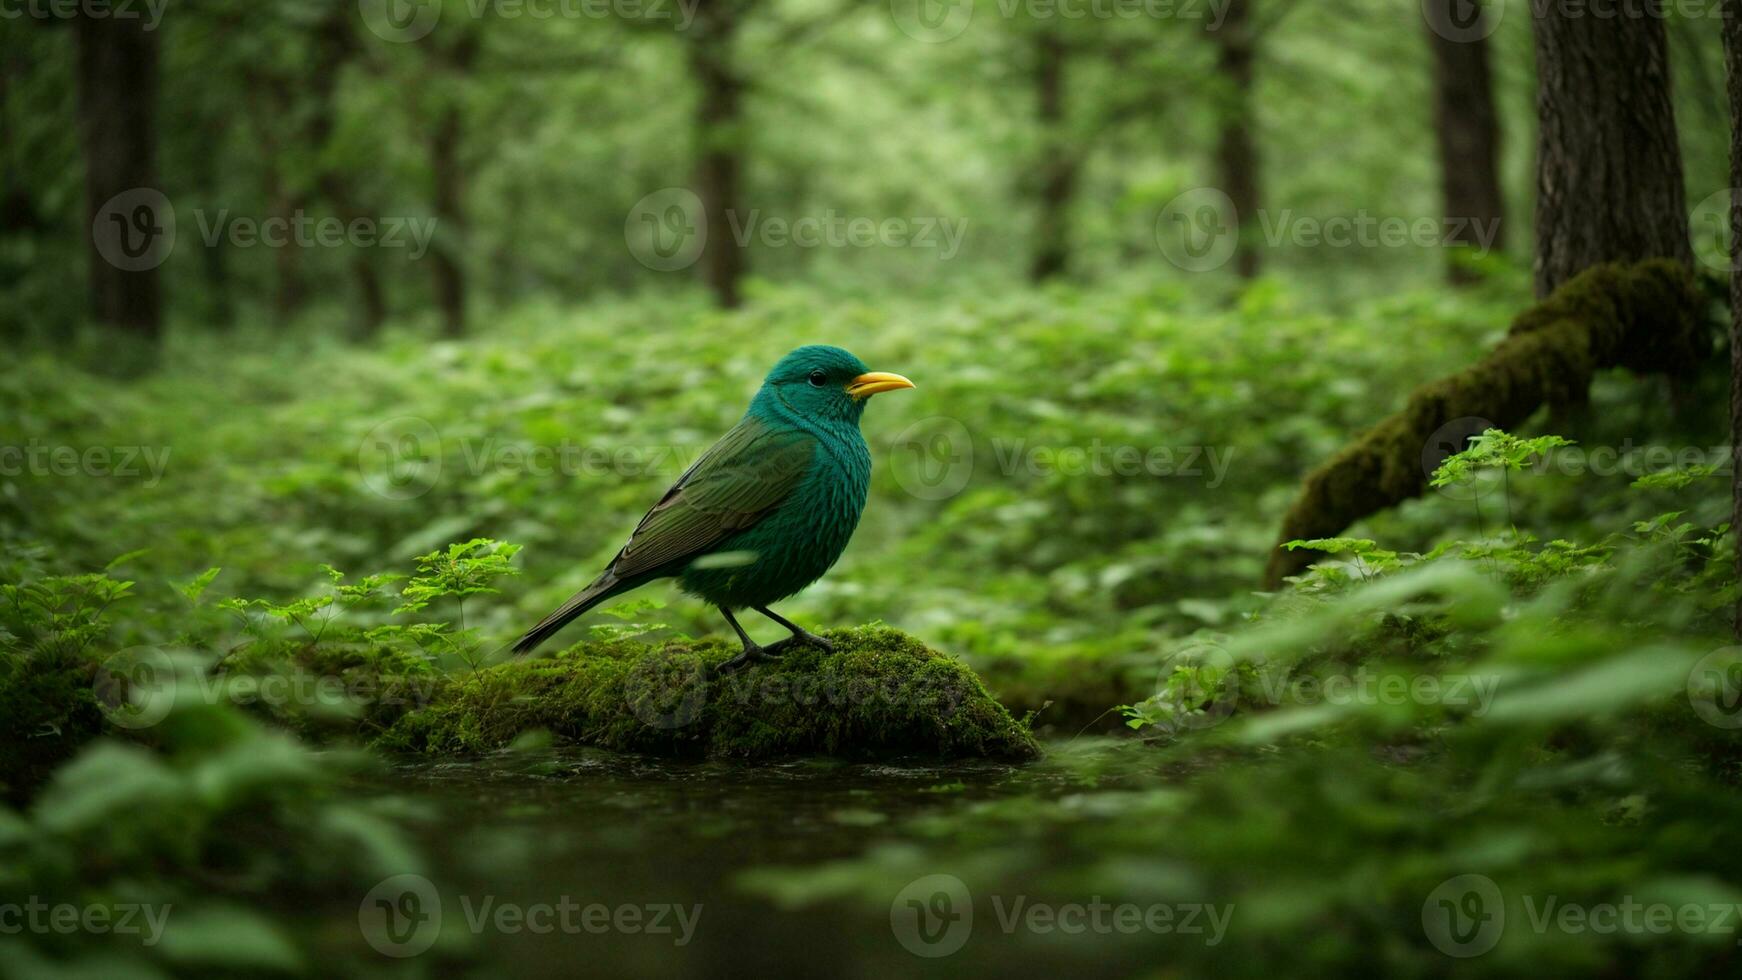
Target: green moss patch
[(880, 694)]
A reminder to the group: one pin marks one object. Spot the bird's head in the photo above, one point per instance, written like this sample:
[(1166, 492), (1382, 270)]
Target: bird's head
[(822, 382)]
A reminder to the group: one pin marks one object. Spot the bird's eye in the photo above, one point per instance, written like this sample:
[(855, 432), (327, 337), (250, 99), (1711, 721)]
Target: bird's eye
[(818, 378)]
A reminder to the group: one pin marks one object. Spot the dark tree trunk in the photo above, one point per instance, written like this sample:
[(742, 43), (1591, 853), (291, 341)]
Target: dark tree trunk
[(450, 279), (1609, 172), (290, 292), (447, 254), (719, 134), (336, 45), (1732, 27), (1058, 159), (1236, 150), (1468, 132), (117, 78)]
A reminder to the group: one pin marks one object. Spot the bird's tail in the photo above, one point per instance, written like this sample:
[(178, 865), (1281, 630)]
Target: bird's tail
[(604, 588)]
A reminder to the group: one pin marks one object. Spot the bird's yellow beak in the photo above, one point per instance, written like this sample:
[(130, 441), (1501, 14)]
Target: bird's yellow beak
[(872, 382)]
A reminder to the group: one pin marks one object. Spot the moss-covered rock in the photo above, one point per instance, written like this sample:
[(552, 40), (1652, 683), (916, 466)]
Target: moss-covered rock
[(879, 694)]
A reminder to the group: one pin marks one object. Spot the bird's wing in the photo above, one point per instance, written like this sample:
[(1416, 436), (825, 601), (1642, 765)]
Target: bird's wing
[(750, 471)]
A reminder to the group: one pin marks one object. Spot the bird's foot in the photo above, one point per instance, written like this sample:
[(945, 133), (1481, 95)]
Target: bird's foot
[(804, 637), (748, 656)]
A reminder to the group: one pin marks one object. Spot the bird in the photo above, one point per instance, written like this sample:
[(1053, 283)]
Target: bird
[(765, 511)]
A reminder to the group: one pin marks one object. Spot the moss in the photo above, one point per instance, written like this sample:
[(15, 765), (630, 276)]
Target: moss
[(48, 709), (1645, 318), (330, 689), (880, 694)]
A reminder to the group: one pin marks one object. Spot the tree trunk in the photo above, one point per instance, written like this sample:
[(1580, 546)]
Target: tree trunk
[(1058, 159), (290, 292), (448, 247), (450, 278), (719, 131), (1609, 172), (117, 78), (1732, 27), (335, 44), (1468, 133), (1236, 150)]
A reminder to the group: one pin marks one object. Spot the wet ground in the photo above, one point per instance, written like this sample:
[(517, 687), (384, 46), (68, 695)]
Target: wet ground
[(576, 862)]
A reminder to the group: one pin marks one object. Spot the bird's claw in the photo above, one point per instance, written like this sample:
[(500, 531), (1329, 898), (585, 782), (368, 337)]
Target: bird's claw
[(776, 649), (745, 658)]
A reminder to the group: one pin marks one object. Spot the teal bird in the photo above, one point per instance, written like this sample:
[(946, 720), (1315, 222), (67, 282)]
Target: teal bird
[(765, 511)]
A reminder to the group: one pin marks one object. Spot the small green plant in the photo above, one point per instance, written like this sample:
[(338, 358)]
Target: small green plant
[(314, 613), (1371, 560), (1494, 449), (62, 612), (462, 569)]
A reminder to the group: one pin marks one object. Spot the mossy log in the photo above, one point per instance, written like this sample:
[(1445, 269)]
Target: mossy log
[(879, 694), (1643, 317)]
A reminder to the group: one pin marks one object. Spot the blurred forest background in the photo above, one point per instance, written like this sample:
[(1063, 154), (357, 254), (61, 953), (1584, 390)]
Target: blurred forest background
[(347, 339), (525, 134)]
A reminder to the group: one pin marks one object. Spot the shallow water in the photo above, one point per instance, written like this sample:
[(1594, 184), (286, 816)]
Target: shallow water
[(582, 828)]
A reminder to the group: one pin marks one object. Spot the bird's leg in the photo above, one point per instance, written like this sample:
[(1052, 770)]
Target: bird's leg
[(799, 633), (751, 650)]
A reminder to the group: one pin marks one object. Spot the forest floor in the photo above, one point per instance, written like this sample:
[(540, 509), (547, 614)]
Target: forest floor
[(229, 583)]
